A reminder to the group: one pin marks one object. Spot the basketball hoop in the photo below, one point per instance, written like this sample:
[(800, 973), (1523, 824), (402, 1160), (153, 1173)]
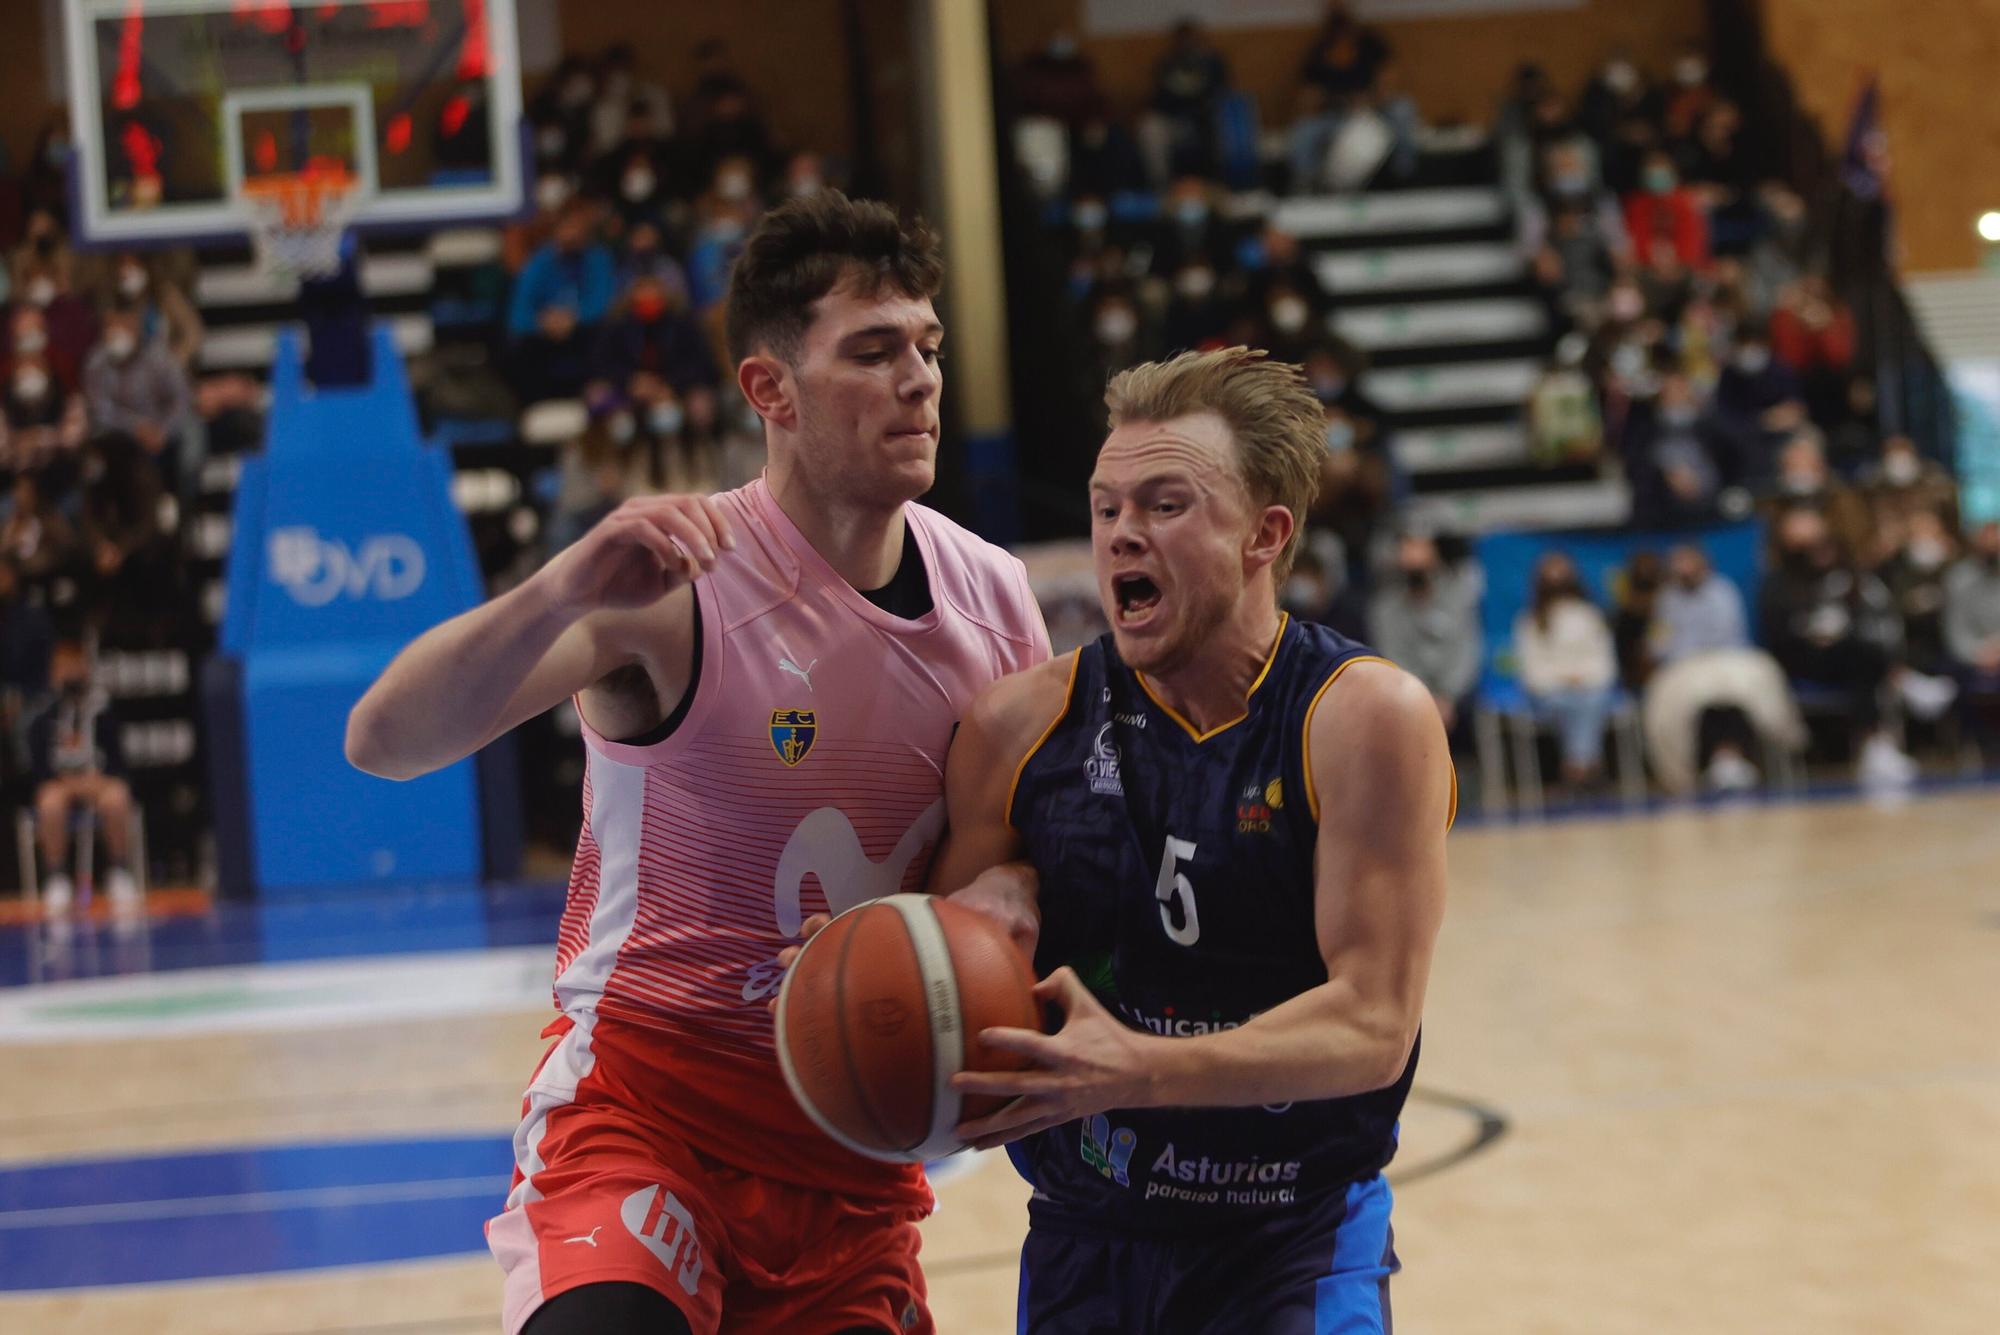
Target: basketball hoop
[(298, 218)]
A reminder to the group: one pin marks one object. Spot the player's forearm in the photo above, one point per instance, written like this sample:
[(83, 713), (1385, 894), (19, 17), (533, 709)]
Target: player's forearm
[(444, 695), (1322, 1044)]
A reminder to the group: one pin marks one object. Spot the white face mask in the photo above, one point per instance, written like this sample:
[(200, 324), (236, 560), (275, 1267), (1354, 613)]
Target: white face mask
[(1339, 435), (120, 343), (31, 341), (1927, 553), (1902, 468), (549, 141), (550, 192), (1626, 304), (42, 291), (806, 184), (1621, 77), (1690, 71), (638, 185), (621, 427), (1194, 284), (132, 281), (666, 419), (1089, 217), (1289, 314), (31, 383), (1753, 360), (1301, 593), (733, 185), (1116, 325)]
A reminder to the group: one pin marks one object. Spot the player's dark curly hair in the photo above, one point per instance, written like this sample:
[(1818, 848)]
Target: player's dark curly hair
[(803, 248)]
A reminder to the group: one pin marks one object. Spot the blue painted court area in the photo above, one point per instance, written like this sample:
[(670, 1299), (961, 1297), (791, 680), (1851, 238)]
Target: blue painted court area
[(87, 1222)]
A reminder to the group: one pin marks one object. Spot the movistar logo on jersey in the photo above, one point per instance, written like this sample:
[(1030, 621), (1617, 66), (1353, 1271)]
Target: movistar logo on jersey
[(792, 733), (1102, 767), (1109, 1148)]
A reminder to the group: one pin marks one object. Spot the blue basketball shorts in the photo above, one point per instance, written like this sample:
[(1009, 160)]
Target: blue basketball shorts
[(1321, 1271)]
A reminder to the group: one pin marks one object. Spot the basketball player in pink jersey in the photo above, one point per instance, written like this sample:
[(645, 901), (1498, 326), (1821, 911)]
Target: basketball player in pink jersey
[(767, 681)]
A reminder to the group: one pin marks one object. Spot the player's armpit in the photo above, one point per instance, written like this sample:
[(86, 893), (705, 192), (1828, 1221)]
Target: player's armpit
[(1382, 769), (1004, 726)]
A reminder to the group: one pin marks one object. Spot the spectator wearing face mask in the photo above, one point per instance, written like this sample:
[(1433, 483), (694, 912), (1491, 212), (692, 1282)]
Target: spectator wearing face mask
[(1635, 596), (1196, 312), (1424, 617), (1916, 573), (43, 250), (1319, 590), (1189, 82), (1899, 484), (38, 539), (1569, 667), (1803, 479), (1119, 333), (636, 186), (1357, 481), (42, 420), (67, 323), (1679, 457), (134, 386), (1972, 630), (1832, 625), (1662, 213), (1760, 397), (1854, 441), (718, 239), (1612, 111), (1191, 229), (1777, 259), (1711, 694), (1689, 96), (148, 283), (627, 103), (1281, 262), (1293, 325), (656, 344)]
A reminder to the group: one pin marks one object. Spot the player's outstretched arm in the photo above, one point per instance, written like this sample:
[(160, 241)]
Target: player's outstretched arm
[(978, 864), (614, 598), (1381, 769)]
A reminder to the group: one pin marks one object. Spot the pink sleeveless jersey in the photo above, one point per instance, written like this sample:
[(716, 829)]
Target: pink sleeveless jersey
[(807, 776)]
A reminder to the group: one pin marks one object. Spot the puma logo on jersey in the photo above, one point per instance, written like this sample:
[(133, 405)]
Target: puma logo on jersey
[(804, 674), (590, 1237), (825, 845)]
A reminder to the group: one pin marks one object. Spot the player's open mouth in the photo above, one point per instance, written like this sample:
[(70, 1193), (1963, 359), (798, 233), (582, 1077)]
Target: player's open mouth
[(1137, 598)]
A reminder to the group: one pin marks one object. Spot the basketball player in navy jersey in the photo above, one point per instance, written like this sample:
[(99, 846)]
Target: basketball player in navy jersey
[(1238, 822)]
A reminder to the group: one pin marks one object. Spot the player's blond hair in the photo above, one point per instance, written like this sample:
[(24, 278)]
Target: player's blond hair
[(1277, 423)]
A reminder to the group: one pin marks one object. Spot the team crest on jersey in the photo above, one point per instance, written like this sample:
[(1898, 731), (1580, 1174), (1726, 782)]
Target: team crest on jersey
[(1254, 808), (1102, 767), (792, 733)]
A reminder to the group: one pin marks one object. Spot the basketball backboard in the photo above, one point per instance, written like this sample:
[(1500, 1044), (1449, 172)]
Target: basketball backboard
[(177, 104)]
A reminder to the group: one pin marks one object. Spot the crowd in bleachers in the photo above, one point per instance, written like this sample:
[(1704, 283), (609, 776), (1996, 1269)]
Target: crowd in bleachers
[(1701, 353)]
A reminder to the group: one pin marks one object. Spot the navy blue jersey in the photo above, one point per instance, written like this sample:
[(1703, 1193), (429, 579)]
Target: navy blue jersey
[(1177, 879)]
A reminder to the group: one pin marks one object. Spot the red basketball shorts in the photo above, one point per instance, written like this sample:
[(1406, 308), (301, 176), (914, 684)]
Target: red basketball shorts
[(604, 1192)]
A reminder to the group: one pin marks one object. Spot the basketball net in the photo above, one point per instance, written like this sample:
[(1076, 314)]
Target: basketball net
[(298, 218)]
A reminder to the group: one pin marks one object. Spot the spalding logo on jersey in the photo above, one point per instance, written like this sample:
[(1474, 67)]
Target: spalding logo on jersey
[(825, 845), (792, 733)]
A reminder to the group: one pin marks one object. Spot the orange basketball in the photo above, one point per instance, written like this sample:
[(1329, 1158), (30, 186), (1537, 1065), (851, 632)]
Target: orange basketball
[(884, 1006)]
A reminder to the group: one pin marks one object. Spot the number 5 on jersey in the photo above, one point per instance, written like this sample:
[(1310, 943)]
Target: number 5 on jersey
[(1173, 885)]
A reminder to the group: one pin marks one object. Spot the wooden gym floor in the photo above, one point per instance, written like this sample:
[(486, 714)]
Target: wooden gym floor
[(1743, 1066)]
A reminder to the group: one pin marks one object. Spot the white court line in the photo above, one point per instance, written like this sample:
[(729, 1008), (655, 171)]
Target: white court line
[(295, 1198)]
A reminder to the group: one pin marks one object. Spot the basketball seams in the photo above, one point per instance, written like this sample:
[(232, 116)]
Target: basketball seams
[(946, 1015), (863, 1095)]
